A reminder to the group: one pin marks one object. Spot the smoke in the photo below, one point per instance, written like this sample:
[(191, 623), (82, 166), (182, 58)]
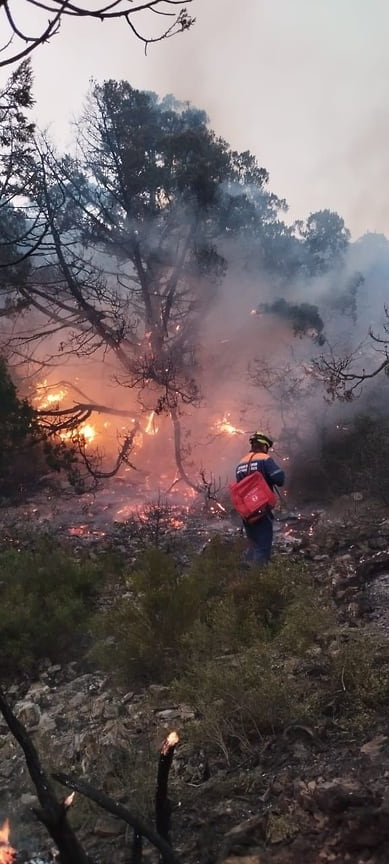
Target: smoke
[(256, 345)]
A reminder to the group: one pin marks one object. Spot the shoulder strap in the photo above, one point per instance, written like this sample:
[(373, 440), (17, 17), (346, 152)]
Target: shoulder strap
[(249, 463)]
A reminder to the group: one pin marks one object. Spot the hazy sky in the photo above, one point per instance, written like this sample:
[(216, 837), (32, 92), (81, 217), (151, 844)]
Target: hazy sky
[(303, 84)]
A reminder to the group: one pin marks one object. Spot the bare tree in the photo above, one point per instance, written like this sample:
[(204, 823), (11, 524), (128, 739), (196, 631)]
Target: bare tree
[(18, 42), (345, 374)]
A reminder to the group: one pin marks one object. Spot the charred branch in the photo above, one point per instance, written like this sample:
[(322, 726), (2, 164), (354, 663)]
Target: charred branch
[(116, 809), (122, 458), (137, 849), (162, 803), (52, 813)]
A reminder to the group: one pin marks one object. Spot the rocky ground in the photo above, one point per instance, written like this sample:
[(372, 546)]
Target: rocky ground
[(307, 796)]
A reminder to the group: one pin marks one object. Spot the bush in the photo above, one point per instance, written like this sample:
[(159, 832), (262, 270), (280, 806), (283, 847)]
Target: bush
[(352, 458), (360, 673), (240, 699), (45, 600), (142, 632), (171, 621)]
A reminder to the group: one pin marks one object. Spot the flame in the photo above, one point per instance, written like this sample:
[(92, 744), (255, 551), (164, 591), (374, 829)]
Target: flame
[(151, 427), (7, 853), (47, 399), (224, 425), (86, 431), (171, 741)]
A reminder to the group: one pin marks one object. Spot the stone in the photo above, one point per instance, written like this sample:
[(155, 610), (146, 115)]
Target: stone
[(110, 711), (28, 713), (29, 800), (76, 701), (108, 827), (47, 723)]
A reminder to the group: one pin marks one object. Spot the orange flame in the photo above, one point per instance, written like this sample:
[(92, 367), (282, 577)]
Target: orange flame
[(151, 427), (86, 431), (171, 741), (7, 853), (47, 399), (224, 425)]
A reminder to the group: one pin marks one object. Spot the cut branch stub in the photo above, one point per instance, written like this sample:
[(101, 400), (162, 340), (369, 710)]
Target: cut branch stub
[(112, 806), (162, 803)]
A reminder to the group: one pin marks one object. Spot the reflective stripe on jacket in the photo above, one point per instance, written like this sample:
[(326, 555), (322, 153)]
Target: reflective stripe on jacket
[(264, 463)]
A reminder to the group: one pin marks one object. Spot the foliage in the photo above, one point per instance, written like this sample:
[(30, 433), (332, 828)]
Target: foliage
[(360, 675), (326, 238), (17, 417), (171, 622), (303, 317), (19, 234), (26, 449), (46, 602), (142, 632), (239, 700), (353, 458)]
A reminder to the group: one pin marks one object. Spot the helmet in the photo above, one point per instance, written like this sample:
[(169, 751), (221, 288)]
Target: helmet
[(261, 438)]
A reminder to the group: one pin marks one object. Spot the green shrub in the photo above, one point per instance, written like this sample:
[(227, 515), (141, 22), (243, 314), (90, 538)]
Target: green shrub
[(353, 457), (142, 632), (169, 620), (360, 672), (45, 604), (239, 699)]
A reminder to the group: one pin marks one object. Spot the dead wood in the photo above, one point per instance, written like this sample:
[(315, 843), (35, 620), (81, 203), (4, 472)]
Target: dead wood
[(53, 814), (137, 849), (117, 809), (162, 803)]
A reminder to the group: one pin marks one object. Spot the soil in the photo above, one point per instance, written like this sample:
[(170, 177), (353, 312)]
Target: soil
[(308, 796)]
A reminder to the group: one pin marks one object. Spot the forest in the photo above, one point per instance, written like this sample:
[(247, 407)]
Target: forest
[(157, 306)]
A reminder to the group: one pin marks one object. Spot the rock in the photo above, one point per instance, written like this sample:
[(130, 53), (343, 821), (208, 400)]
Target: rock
[(110, 711), (76, 701), (373, 747), (29, 800), (28, 713), (108, 827), (47, 723), (339, 795), (158, 690), (168, 714)]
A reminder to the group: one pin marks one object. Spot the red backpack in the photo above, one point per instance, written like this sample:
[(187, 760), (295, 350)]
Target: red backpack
[(252, 496)]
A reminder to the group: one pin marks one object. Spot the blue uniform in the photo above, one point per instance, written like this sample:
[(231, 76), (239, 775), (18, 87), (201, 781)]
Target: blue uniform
[(260, 534)]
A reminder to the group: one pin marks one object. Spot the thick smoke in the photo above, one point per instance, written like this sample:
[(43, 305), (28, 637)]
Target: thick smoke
[(286, 298)]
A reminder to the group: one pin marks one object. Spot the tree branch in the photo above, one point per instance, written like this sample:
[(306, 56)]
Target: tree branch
[(112, 806)]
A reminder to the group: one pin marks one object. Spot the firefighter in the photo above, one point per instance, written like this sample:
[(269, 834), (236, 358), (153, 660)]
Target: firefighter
[(260, 533)]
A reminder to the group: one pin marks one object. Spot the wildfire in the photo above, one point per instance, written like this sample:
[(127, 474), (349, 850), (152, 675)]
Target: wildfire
[(151, 426), (224, 425), (7, 853), (47, 399), (86, 431)]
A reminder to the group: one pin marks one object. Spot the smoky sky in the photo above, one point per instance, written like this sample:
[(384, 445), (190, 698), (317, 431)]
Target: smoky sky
[(301, 84)]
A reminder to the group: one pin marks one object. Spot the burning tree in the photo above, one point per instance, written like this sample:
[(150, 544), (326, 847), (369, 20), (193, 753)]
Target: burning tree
[(139, 230)]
